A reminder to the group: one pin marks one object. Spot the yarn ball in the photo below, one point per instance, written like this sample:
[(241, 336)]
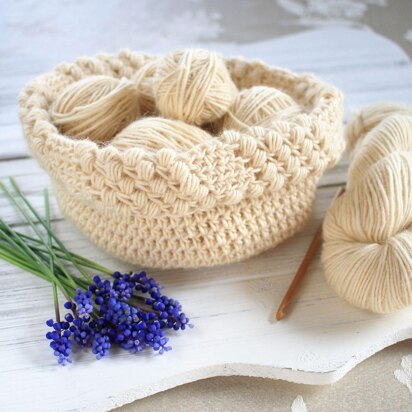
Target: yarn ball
[(193, 85), (367, 251), (96, 107), (154, 133), (259, 106), (143, 79)]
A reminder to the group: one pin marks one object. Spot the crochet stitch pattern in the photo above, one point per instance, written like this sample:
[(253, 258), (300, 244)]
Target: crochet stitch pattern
[(225, 199)]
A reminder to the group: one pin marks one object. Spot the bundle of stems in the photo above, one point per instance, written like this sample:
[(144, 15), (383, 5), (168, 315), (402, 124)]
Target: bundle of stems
[(44, 254)]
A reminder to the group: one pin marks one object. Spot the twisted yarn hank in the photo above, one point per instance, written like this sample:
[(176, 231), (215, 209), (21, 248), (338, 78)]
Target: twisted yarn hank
[(367, 253), (155, 133), (369, 118), (96, 107), (193, 85)]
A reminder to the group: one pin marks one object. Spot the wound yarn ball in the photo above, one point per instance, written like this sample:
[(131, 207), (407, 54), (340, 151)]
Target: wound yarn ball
[(259, 106), (96, 107), (143, 79), (193, 85), (367, 251), (154, 133)]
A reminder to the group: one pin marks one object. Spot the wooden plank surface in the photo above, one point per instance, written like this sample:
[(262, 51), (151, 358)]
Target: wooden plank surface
[(231, 305)]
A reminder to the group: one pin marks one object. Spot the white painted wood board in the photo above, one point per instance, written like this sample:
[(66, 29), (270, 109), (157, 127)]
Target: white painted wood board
[(232, 306)]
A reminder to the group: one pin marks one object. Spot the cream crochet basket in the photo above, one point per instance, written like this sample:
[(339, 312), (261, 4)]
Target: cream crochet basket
[(223, 200)]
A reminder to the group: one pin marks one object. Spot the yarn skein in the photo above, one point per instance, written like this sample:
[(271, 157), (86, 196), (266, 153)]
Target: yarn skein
[(96, 107), (259, 106), (367, 252), (193, 86), (369, 118), (154, 133)]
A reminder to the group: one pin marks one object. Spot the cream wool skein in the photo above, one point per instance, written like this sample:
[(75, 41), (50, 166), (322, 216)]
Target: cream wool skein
[(194, 86), (96, 107), (258, 106), (370, 117), (154, 133), (367, 252)]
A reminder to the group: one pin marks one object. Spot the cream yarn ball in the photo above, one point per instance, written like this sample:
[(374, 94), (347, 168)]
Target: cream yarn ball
[(259, 106), (154, 133), (143, 79), (367, 251), (193, 85), (96, 107)]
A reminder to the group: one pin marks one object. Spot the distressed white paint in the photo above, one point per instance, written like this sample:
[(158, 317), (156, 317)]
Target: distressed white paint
[(404, 375), (231, 306), (298, 405), (315, 13)]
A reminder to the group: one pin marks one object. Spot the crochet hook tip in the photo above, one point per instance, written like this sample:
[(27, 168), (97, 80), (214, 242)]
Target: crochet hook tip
[(280, 314)]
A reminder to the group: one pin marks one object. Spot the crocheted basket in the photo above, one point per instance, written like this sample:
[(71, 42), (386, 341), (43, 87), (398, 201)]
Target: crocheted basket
[(223, 200)]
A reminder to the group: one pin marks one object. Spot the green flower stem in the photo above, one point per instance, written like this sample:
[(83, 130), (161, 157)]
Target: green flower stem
[(27, 218), (41, 221), (47, 209), (37, 265), (15, 241), (15, 256), (86, 263), (32, 259), (51, 260), (79, 259), (36, 230), (29, 268), (56, 303), (12, 258), (18, 257), (20, 246), (70, 284), (43, 254)]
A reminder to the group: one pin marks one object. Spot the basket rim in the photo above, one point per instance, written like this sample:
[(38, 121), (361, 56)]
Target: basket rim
[(219, 171)]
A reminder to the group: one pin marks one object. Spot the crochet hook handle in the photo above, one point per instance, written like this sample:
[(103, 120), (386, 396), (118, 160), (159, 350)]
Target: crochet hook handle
[(310, 253)]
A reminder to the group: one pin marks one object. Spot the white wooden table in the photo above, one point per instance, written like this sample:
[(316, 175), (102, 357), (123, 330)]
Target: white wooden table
[(232, 306)]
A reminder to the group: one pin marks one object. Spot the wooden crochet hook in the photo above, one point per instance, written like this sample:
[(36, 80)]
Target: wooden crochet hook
[(310, 253)]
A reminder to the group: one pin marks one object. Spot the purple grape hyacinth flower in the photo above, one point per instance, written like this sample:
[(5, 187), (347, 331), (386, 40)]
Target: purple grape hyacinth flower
[(109, 313), (84, 301), (60, 341), (83, 329), (101, 345)]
